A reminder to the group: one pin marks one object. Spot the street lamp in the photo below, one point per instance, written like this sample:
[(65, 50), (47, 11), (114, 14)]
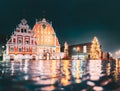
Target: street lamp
[(78, 50)]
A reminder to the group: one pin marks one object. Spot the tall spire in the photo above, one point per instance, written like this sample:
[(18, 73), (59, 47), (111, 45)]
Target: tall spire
[(95, 51)]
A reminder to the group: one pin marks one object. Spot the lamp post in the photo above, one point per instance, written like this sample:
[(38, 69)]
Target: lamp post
[(78, 50)]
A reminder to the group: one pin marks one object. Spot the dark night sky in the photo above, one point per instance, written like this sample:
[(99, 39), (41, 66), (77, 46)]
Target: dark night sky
[(75, 21)]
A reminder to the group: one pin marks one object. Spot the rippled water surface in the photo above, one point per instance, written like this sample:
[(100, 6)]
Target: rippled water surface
[(60, 75)]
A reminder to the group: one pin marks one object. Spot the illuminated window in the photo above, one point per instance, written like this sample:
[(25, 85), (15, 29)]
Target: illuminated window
[(84, 49), (74, 49)]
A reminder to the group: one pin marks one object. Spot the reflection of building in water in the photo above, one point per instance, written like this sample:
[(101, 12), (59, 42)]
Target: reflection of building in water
[(66, 72), (12, 68), (39, 43), (108, 68), (95, 69), (47, 88), (117, 70), (25, 67), (45, 72), (50, 68), (76, 70)]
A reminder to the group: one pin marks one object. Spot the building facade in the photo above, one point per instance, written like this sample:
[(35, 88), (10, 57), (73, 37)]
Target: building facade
[(80, 51), (22, 44), (39, 43), (48, 46)]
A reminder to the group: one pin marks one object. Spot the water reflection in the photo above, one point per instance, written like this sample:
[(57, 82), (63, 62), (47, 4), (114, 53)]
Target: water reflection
[(59, 75), (66, 72), (95, 69), (76, 70), (117, 71)]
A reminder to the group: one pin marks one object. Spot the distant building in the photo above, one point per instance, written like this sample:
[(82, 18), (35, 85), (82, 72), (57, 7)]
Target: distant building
[(90, 50), (80, 51)]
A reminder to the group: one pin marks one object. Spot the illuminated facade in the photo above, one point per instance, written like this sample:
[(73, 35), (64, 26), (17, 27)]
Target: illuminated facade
[(48, 46), (22, 44), (39, 43)]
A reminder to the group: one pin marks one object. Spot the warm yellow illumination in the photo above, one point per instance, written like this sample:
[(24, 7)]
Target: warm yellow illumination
[(78, 49), (95, 51), (66, 71), (45, 34)]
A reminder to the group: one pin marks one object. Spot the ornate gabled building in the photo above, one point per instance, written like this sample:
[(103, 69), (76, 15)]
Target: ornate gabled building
[(48, 46), (22, 44), (39, 43)]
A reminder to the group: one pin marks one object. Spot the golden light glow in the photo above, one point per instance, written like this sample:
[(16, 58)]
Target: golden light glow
[(95, 51), (66, 71), (46, 37), (78, 49)]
